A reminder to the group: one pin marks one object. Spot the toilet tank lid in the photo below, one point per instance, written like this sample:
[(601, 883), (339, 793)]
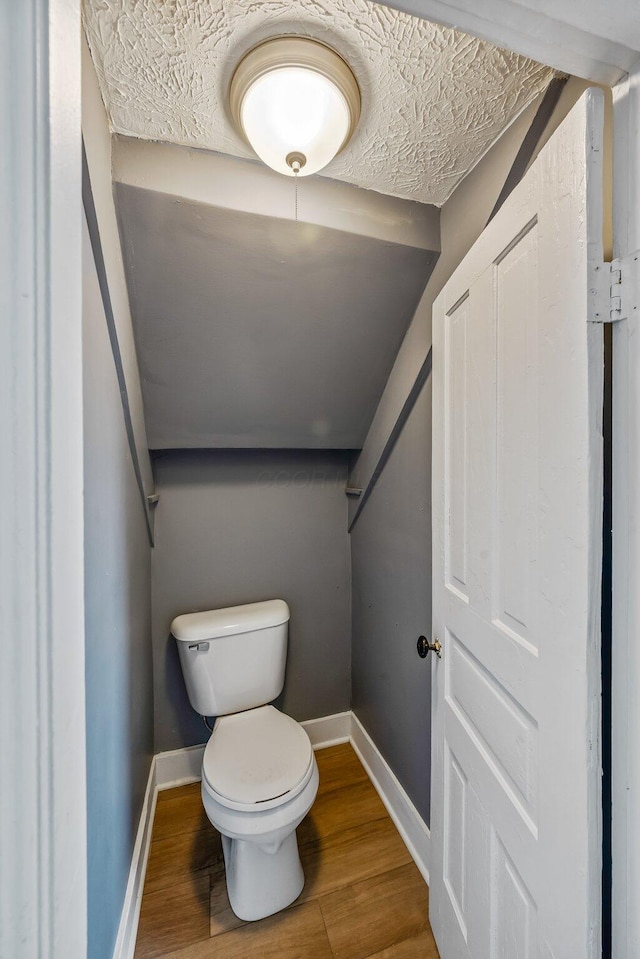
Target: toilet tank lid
[(213, 623)]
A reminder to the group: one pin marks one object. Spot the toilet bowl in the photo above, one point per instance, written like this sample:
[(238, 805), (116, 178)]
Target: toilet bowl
[(259, 781), (259, 773)]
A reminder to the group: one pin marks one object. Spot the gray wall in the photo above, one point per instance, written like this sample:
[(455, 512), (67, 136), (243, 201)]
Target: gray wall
[(119, 687), (241, 526), (118, 665), (260, 332), (391, 555)]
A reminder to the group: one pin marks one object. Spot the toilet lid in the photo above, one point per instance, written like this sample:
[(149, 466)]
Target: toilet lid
[(255, 756)]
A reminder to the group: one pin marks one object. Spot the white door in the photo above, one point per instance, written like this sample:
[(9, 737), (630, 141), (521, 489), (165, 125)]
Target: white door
[(517, 526)]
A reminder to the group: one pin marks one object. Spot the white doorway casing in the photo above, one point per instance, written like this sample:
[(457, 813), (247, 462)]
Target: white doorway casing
[(625, 698), (42, 718)]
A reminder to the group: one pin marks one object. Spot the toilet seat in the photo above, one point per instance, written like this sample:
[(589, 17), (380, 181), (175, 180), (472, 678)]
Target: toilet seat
[(257, 759)]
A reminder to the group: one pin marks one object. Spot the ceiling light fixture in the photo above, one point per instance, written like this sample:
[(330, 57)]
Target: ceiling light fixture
[(296, 102)]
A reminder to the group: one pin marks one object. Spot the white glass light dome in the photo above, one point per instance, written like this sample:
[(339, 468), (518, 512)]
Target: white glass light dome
[(296, 102)]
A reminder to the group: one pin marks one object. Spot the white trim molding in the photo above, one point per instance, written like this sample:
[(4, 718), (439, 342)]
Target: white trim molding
[(43, 868), (128, 928), (413, 829), (329, 730), (181, 766), (625, 718)]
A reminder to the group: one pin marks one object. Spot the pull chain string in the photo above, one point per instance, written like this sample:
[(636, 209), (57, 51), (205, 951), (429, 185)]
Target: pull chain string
[(295, 177)]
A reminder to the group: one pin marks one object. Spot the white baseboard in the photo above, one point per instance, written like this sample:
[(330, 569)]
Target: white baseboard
[(174, 768), (180, 766), (409, 823), (329, 730), (128, 928)]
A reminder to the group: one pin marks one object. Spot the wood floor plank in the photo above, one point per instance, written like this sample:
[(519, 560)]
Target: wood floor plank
[(350, 856), (169, 921), (296, 933), (343, 808), (222, 917), (179, 814), (419, 947), (179, 857), (369, 916), (177, 792), (338, 766)]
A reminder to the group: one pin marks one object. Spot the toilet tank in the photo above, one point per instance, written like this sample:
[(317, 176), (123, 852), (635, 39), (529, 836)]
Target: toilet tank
[(233, 659)]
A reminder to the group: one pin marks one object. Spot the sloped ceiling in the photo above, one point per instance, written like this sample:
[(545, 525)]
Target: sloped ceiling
[(259, 331), (434, 99)]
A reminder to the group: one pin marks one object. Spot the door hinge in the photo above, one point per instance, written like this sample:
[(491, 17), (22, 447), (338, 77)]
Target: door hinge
[(615, 290)]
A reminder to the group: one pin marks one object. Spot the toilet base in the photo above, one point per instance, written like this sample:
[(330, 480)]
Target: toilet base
[(261, 881)]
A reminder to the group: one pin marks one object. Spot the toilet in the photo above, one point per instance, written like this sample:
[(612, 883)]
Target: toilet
[(259, 773)]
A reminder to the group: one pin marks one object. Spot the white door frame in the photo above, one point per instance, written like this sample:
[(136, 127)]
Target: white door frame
[(625, 743), (42, 709), (42, 820)]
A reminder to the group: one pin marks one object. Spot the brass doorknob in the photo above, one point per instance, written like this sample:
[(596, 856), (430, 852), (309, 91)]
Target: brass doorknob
[(425, 647)]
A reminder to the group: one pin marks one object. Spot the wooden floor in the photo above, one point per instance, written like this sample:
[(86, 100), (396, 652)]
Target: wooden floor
[(363, 895)]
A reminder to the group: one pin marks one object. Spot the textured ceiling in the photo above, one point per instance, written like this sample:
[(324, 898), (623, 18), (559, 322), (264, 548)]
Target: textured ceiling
[(434, 99)]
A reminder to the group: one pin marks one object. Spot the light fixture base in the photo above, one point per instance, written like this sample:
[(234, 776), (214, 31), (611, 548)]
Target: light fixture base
[(295, 161)]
